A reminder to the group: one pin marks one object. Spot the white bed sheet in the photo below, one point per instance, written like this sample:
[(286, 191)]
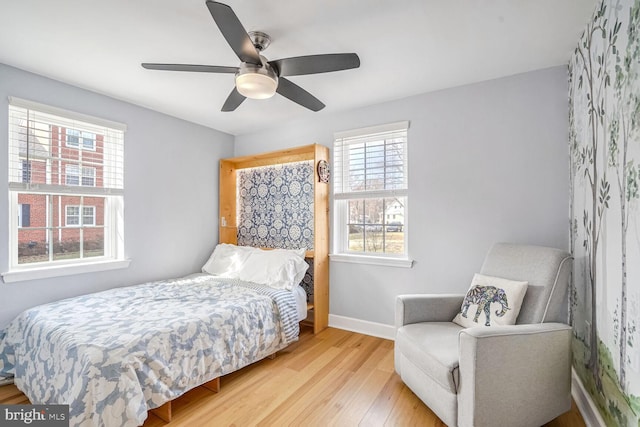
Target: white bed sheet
[(301, 302)]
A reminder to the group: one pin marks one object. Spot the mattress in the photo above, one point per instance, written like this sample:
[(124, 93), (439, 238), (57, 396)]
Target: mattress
[(301, 302)]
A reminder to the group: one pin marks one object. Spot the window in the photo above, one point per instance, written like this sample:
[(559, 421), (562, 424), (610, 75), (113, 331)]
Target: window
[(69, 200), (370, 194), (24, 215), (73, 219), (80, 139), (72, 176), (26, 171), (73, 215)]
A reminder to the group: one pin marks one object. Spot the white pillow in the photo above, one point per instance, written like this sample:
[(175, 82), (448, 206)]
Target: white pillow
[(227, 260), (278, 268), (491, 301)]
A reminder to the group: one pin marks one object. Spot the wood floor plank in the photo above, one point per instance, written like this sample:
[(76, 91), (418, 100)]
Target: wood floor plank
[(10, 395), (386, 361), (409, 410), (318, 389), (386, 400), (358, 393), (284, 387), (351, 404), (335, 378), (8, 392)]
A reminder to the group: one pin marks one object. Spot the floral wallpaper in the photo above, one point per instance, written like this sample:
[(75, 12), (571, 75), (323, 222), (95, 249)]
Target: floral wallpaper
[(604, 144), (307, 282), (276, 206), (275, 209)]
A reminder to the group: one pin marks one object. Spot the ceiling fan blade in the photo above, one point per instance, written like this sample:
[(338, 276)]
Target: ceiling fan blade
[(234, 32), (290, 90), (233, 100), (314, 64), (190, 67)]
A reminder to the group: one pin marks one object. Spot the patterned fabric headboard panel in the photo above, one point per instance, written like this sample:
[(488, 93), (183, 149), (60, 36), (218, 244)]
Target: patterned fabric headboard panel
[(307, 282), (275, 205), (275, 209)]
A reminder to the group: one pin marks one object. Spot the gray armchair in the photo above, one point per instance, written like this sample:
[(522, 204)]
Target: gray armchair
[(517, 375)]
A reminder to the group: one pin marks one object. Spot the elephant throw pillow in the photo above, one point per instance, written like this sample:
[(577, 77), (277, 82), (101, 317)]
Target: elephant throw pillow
[(491, 301)]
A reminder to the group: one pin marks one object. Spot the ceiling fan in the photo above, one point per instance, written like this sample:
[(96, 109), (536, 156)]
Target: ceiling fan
[(256, 77)]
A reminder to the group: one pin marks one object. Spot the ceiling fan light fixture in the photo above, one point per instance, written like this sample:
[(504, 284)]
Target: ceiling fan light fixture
[(256, 82)]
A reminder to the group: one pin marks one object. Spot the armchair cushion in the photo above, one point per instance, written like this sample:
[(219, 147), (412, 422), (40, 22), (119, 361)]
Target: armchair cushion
[(433, 348), (491, 301)]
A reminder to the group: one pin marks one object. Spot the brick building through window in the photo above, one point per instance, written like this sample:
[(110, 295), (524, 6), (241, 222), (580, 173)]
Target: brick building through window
[(70, 158)]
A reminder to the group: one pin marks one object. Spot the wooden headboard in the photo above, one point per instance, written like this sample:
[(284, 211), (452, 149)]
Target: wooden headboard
[(228, 215)]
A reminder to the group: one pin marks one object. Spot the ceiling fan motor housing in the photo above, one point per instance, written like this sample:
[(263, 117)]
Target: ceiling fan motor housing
[(260, 40)]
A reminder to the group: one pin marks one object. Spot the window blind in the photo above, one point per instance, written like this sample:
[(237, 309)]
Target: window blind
[(371, 162), (48, 147)]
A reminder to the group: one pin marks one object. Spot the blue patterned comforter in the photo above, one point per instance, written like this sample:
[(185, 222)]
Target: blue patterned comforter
[(115, 354)]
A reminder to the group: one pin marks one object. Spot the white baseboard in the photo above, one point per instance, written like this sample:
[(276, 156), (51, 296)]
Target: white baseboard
[(588, 409), (379, 330)]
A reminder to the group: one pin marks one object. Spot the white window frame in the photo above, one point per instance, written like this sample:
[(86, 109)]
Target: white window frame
[(81, 216), (88, 173), (342, 195), (67, 216), (84, 216), (30, 118), (81, 136), (72, 171)]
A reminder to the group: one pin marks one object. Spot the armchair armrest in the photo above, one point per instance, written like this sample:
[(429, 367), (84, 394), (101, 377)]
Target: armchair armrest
[(416, 308), (504, 369)]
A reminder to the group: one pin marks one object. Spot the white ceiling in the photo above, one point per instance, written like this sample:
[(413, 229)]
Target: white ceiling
[(406, 47)]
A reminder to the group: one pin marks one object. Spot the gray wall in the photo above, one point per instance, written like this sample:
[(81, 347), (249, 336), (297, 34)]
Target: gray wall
[(487, 162), (171, 192)]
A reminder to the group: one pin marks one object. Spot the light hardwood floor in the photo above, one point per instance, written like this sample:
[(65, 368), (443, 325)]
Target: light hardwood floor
[(336, 377)]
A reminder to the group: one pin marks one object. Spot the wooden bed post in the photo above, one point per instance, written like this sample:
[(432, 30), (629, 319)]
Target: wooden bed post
[(163, 412), (213, 385), (227, 227), (321, 244)]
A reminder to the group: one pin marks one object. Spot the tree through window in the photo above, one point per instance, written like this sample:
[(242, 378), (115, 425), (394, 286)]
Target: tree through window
[(370, 191)]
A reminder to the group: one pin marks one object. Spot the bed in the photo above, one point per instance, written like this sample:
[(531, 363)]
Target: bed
[(114, 355)]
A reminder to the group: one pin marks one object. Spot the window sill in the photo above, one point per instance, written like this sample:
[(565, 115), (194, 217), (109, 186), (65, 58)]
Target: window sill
[(372, 260), (20, 275)]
